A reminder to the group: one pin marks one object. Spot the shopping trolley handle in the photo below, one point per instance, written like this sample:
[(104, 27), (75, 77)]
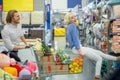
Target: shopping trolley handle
[(29, 46)]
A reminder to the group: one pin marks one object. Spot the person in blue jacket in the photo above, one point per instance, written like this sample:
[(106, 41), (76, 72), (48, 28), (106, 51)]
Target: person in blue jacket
[(75, 44)]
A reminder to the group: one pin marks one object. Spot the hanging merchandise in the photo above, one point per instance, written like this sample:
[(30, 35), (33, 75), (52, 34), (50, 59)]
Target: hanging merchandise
[(100, 4), (88, 17), (104, 29), (97, 43), (97, 30), (88, 36), (104, 9), (86, 2)]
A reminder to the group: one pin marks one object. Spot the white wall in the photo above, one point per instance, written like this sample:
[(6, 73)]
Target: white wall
[(59, 4)]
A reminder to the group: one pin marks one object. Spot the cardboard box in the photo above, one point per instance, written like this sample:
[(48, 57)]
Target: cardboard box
[(49, 66), (55, 69), (62, 67), (48, 63), (61, 72), (48, 69), (47, 59)]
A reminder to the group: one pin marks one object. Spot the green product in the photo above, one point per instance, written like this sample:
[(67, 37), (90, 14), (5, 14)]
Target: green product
[(45, 49)]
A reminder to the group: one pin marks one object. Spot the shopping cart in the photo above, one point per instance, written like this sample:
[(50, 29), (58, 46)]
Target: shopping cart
[(33, 76), (50, 68)]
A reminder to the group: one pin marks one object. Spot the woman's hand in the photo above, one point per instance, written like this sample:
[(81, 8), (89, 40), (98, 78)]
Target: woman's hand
[(82, 54)]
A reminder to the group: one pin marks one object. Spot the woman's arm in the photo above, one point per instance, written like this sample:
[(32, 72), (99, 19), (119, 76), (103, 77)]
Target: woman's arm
[(81, 53)]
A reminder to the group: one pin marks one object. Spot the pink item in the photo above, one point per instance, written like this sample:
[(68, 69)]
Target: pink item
[(12, 61), (32, 65), (4, 60)]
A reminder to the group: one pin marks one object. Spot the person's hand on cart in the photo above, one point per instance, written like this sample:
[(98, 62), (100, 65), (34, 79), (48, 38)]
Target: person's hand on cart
[(29, 45)]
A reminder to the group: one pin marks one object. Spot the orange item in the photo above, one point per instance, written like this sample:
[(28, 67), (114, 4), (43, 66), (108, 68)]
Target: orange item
[(81, 60), (80, 64), (11, 70)]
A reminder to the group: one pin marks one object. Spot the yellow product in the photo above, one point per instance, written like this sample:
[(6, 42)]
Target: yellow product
[(70, 66), (37, 46), (11, 70), (76, 68), (59, 32), (77, 23), (52, 50), (76, 65)]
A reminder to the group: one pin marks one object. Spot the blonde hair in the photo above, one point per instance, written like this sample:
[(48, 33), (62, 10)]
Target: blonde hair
[(68, 17)]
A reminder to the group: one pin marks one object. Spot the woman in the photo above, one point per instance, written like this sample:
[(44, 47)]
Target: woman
[(75, 44)]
